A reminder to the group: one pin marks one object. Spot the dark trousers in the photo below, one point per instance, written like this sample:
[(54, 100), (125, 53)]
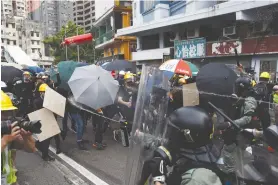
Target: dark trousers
[(44, 145), (100, 126)]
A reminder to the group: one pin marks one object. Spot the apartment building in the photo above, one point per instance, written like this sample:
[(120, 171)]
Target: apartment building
[(206, 31), (84, 13), (13, 8), (54, 15), (118, 15)]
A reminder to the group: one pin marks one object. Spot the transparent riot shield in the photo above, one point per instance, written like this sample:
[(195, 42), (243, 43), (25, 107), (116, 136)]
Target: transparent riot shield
[(149, 123), (252, 159)]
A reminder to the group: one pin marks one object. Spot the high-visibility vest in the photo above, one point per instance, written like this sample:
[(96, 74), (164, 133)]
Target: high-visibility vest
[(7, 170), (275, 98)]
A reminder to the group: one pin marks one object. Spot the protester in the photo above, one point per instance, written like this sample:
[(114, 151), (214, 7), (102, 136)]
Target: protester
[(76, 117), (275, 101), (44, 145), (99, 130), (18, 139), (23, 90)]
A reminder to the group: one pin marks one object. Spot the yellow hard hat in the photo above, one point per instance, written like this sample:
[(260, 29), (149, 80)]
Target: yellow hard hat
[(128, 76), (26, 73), (182, 81), (43, 87), (6, 102), (265, 75)]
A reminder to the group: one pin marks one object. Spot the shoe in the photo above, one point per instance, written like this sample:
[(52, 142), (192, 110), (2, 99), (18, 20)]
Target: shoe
[(58, 151), (117, 136), (81, 146), (48, 158), (98, 146)]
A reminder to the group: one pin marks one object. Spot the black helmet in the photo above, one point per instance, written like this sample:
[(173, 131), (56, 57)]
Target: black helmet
[(189, 127), (242, 84)]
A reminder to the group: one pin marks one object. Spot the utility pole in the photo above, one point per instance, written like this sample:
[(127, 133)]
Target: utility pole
[(78, 59), (66, 45)]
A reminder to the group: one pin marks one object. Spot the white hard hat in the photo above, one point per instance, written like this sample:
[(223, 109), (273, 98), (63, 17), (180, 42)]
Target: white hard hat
[(121, 73)]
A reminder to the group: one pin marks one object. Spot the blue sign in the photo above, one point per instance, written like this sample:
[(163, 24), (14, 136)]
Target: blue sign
[(193, 48)]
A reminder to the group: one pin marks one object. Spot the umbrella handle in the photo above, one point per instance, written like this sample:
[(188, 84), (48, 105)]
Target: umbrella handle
[(225, 116)]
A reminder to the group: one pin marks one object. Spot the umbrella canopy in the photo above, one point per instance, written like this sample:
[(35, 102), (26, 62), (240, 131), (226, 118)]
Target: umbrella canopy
[(65, 69), (176, 66), (36, 69), (103, 65), (18, 66), (119, 65), (215, 80), (93, 86), (8, 73)]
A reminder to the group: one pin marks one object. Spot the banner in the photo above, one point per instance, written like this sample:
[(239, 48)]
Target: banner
[(54, 102), (193, 48), (49, 124)]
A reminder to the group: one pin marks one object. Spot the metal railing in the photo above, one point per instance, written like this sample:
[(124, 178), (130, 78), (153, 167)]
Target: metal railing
[(105, 37)]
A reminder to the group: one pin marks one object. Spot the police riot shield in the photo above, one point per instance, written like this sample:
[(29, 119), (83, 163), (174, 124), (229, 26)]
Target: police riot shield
[(149, 123)]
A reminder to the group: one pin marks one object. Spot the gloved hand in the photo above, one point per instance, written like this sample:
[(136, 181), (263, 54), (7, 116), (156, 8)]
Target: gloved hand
[(159, 170), (255, 132), (224, 125)]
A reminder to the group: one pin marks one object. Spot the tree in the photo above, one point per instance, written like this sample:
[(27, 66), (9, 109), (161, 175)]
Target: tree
[(86, 51)]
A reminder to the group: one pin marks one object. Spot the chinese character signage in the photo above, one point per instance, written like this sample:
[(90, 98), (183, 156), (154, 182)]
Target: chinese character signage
[(226, 48), (194, 48)]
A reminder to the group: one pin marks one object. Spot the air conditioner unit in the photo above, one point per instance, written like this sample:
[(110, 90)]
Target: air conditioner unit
[(229, 31), (174, 36), (259, 27), (192, 32)]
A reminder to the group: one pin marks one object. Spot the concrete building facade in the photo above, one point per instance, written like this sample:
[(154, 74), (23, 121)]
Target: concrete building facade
[(84, 13), (206, 31)]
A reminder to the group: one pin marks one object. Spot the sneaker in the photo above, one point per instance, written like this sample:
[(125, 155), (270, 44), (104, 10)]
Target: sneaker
[(81, 146), (117, 135), (48, 158), (98, 146), (58, 151)]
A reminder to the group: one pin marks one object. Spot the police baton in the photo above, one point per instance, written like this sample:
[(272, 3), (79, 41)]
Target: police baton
[(225, 116)]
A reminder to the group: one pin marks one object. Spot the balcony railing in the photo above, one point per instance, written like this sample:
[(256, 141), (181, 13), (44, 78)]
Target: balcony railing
[(105, 37)]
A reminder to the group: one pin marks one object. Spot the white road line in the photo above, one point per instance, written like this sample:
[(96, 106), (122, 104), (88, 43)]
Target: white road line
[(86, 173)]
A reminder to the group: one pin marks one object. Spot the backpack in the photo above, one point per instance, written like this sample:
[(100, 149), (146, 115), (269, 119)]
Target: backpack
[(261, 92)]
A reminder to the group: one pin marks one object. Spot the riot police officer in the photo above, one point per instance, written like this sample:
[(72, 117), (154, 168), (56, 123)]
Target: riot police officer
[(189, 149)]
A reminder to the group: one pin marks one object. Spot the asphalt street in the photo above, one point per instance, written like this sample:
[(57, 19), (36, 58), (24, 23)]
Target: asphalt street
[(109, 164), (32, 170)]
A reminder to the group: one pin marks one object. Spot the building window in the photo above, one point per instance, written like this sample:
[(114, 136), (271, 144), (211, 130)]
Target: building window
[(147, 5), (38, 42), (38, 34), (8, 41), (33, 50), (14, 42), (32, 33), (13, 25), (32, 42), (2, 40)]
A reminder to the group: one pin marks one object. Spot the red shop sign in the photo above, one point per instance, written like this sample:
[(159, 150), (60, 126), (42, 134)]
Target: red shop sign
[(247, 46)]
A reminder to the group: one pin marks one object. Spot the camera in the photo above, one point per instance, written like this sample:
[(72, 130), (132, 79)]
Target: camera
[(31, 126)]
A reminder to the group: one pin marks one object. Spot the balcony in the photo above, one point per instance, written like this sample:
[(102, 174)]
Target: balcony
[(105, 37)]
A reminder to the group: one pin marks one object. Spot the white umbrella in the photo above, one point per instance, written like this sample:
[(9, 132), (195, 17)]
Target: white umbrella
[(18, 66), (3, 84), (93, 86)]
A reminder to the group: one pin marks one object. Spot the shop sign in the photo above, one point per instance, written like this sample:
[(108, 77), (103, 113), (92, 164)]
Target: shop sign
[(248, 46), (193, 48), (226, 48)]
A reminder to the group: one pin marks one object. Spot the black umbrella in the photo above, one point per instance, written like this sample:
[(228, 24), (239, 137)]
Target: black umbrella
[(8, 73), (119, 65), (215, 83)]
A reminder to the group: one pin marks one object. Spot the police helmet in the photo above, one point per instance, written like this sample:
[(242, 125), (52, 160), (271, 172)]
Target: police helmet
[(190, 126), (242, 84)]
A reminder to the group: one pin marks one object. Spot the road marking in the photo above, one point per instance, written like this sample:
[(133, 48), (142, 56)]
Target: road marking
[(86, 173)]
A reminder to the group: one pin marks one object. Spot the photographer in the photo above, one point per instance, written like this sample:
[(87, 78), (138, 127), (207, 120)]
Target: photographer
[(12, 137)]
